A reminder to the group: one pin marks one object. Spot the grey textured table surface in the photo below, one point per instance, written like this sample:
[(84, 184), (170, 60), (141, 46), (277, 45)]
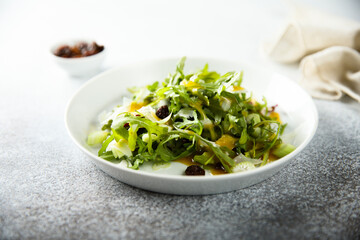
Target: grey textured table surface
[(50, 190)]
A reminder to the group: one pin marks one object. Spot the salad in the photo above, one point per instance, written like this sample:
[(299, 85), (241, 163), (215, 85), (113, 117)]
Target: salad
[(204, 119)]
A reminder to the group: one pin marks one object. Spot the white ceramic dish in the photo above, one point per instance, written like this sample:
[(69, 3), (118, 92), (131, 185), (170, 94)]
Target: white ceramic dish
[(105, 90), (79, 67)]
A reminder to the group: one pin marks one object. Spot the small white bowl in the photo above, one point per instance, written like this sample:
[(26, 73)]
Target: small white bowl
[(79, 67)]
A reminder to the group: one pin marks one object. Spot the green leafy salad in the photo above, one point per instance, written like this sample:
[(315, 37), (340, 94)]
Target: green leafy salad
[(203, 116)]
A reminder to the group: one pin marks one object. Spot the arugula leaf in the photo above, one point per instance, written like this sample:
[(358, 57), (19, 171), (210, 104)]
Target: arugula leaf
[(204, 106), (105, 145), (205, 158), (172, 148)]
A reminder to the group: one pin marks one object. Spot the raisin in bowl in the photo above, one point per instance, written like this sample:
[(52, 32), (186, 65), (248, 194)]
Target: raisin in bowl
[(79, 58)]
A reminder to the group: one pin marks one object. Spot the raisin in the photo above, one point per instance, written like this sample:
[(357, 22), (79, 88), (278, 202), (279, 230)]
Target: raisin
[(162, 112), (81, 49), (272, 108), (98, 48), (63, 51), (185, 140), (194, 170), (219, 166)]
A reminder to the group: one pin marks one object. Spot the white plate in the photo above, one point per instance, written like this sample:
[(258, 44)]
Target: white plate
[(105, 91)]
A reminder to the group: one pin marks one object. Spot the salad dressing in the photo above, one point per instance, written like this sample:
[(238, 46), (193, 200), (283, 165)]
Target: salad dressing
[(215, 171), (272, 157), (188, 161)]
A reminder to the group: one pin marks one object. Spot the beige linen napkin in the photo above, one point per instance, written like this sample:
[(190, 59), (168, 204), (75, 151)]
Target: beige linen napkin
[(334, 66), (330, 73), (310, 31)]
